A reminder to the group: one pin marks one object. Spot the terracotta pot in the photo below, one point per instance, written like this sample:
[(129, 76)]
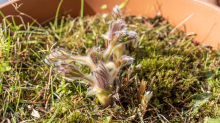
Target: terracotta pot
[(215, 2), (189, 15)]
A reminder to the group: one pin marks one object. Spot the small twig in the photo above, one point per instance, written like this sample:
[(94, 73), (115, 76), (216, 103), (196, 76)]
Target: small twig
[(103, 110), (21, 13), (47, 113), (31, 102), (15, 16), (183, 59), (154, 107), (151, 84), (118, 87), (121, 105), (174, 109), (48, 84), (46, 105), (180, 24), (3, 120), (164, 117), (127, 84)]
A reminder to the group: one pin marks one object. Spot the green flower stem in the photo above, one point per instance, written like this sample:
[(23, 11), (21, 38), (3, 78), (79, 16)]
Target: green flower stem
[(108, 53), (104, 99), (119, 50), (88, 79), (109, 50), (89, 63), (115, 72)]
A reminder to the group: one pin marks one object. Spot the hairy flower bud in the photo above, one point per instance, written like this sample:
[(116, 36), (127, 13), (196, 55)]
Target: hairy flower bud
[(120, 37), (116, 13), (118, 25), (102, 85), (63, 55), (95, 56), (68, 70), (102, 77), (123, 61), (57, 55), (123, 36)]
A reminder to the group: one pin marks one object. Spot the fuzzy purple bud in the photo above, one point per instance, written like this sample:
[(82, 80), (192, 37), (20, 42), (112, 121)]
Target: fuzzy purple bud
[(123, 36), (102, 81), (68, 70), (57, 55), (115, 26), (123, 61), (116, 13), (102, 77), (63, 55), (95, 56)]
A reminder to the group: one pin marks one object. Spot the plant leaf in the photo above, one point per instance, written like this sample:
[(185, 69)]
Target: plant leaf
[(107, 119), (211, 120), (104, 6), (35, 113), (122, 5), (204, 98)]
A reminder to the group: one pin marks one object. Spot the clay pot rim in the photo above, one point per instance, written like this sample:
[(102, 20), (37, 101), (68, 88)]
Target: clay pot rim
[(175, 11)]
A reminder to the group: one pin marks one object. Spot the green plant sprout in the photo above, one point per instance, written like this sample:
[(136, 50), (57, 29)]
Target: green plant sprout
[(104, 65), (145, 96)]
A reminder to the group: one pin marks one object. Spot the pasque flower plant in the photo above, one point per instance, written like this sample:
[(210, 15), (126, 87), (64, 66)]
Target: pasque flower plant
[(104, 65)]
